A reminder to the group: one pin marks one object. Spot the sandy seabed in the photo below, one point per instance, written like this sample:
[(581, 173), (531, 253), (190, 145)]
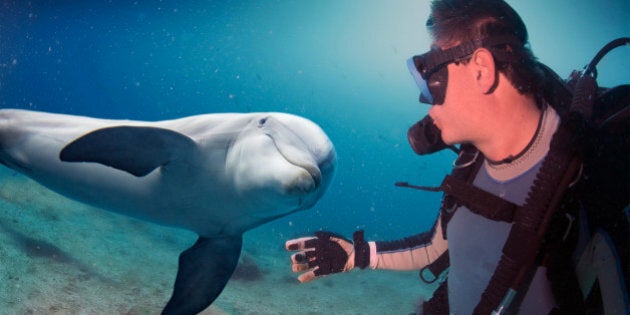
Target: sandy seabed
[(58, 256)]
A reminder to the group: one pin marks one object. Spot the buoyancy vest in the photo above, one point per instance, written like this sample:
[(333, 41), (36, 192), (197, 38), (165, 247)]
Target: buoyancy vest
[(529, 222)]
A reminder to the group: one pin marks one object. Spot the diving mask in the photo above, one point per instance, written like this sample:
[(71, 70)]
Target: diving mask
[(431, 74)]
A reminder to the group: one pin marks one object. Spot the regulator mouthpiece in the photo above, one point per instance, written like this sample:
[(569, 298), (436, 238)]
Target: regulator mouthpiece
[(425, 138)]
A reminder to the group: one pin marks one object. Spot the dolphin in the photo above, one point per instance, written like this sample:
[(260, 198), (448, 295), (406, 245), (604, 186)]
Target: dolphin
[(218, 175)]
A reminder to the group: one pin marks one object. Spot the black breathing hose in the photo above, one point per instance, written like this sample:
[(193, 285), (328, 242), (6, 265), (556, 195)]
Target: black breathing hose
[(586, 85)]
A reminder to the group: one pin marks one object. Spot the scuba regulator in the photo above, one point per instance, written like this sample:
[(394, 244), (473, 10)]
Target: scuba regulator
[(425, 138)]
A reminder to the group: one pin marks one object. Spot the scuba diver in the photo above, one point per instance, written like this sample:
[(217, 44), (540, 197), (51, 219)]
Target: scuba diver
[(531, 170)]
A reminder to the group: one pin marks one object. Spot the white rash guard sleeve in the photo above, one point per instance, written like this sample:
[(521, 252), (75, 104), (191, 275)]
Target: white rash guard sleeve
[(410, 253)]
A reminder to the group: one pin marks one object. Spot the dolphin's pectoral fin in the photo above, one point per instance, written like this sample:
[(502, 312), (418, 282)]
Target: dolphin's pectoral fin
[(136, 150), (204, 270)]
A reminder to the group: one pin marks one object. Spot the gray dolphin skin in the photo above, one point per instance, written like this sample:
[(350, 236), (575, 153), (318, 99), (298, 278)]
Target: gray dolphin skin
[(218, 175)]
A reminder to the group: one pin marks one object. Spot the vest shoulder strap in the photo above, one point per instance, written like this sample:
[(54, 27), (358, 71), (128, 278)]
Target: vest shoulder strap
[(478, 200)]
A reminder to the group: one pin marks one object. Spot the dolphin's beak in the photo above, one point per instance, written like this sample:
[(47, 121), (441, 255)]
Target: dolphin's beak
[(316, 159), (322, 178), (315, 172), (327, 169)]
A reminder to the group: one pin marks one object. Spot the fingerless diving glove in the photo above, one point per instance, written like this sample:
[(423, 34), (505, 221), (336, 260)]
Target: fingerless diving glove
[(328, 253)]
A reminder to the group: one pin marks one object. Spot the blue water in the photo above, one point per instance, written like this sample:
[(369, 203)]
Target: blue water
[(340, 63)]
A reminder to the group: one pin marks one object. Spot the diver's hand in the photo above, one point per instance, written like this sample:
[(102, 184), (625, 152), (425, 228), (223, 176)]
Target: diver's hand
[(327, 253)]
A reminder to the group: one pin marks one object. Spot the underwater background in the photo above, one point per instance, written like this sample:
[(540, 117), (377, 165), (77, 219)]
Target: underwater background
[(339, 63)]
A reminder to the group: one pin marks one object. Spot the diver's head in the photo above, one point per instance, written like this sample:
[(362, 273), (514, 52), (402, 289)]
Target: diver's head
[(460, 29), (456, 22)]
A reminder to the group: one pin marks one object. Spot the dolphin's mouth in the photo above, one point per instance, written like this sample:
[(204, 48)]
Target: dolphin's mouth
[(315, 172), (307, 182), (302, 158), (311, 189), (322, 178), (317, 162)]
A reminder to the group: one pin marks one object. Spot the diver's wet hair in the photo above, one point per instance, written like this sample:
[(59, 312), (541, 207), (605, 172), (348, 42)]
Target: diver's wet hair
[(456, 21)]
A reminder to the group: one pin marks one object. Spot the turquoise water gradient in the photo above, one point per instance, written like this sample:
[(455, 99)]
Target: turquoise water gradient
[(340, 63)]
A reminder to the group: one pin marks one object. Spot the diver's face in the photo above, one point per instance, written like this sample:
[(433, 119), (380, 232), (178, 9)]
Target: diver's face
[(443, 77), (456, 117)]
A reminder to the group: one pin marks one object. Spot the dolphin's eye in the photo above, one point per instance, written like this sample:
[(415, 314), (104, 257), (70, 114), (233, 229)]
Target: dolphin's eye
[(262, 122)]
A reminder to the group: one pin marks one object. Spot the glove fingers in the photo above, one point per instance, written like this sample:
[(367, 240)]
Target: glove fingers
[(300, 267), (303, 256), (307, 276), (304, 260), (300, 243)]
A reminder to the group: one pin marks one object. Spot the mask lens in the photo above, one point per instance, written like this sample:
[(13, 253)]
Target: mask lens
[(437, 84), (425, 93)]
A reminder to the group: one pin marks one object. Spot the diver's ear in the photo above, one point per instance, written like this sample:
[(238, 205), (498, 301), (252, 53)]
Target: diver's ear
[(485, 70)]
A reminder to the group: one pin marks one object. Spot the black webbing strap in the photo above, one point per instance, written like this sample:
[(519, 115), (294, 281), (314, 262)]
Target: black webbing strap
[(478, 200), (465, 169), (435, 268)]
